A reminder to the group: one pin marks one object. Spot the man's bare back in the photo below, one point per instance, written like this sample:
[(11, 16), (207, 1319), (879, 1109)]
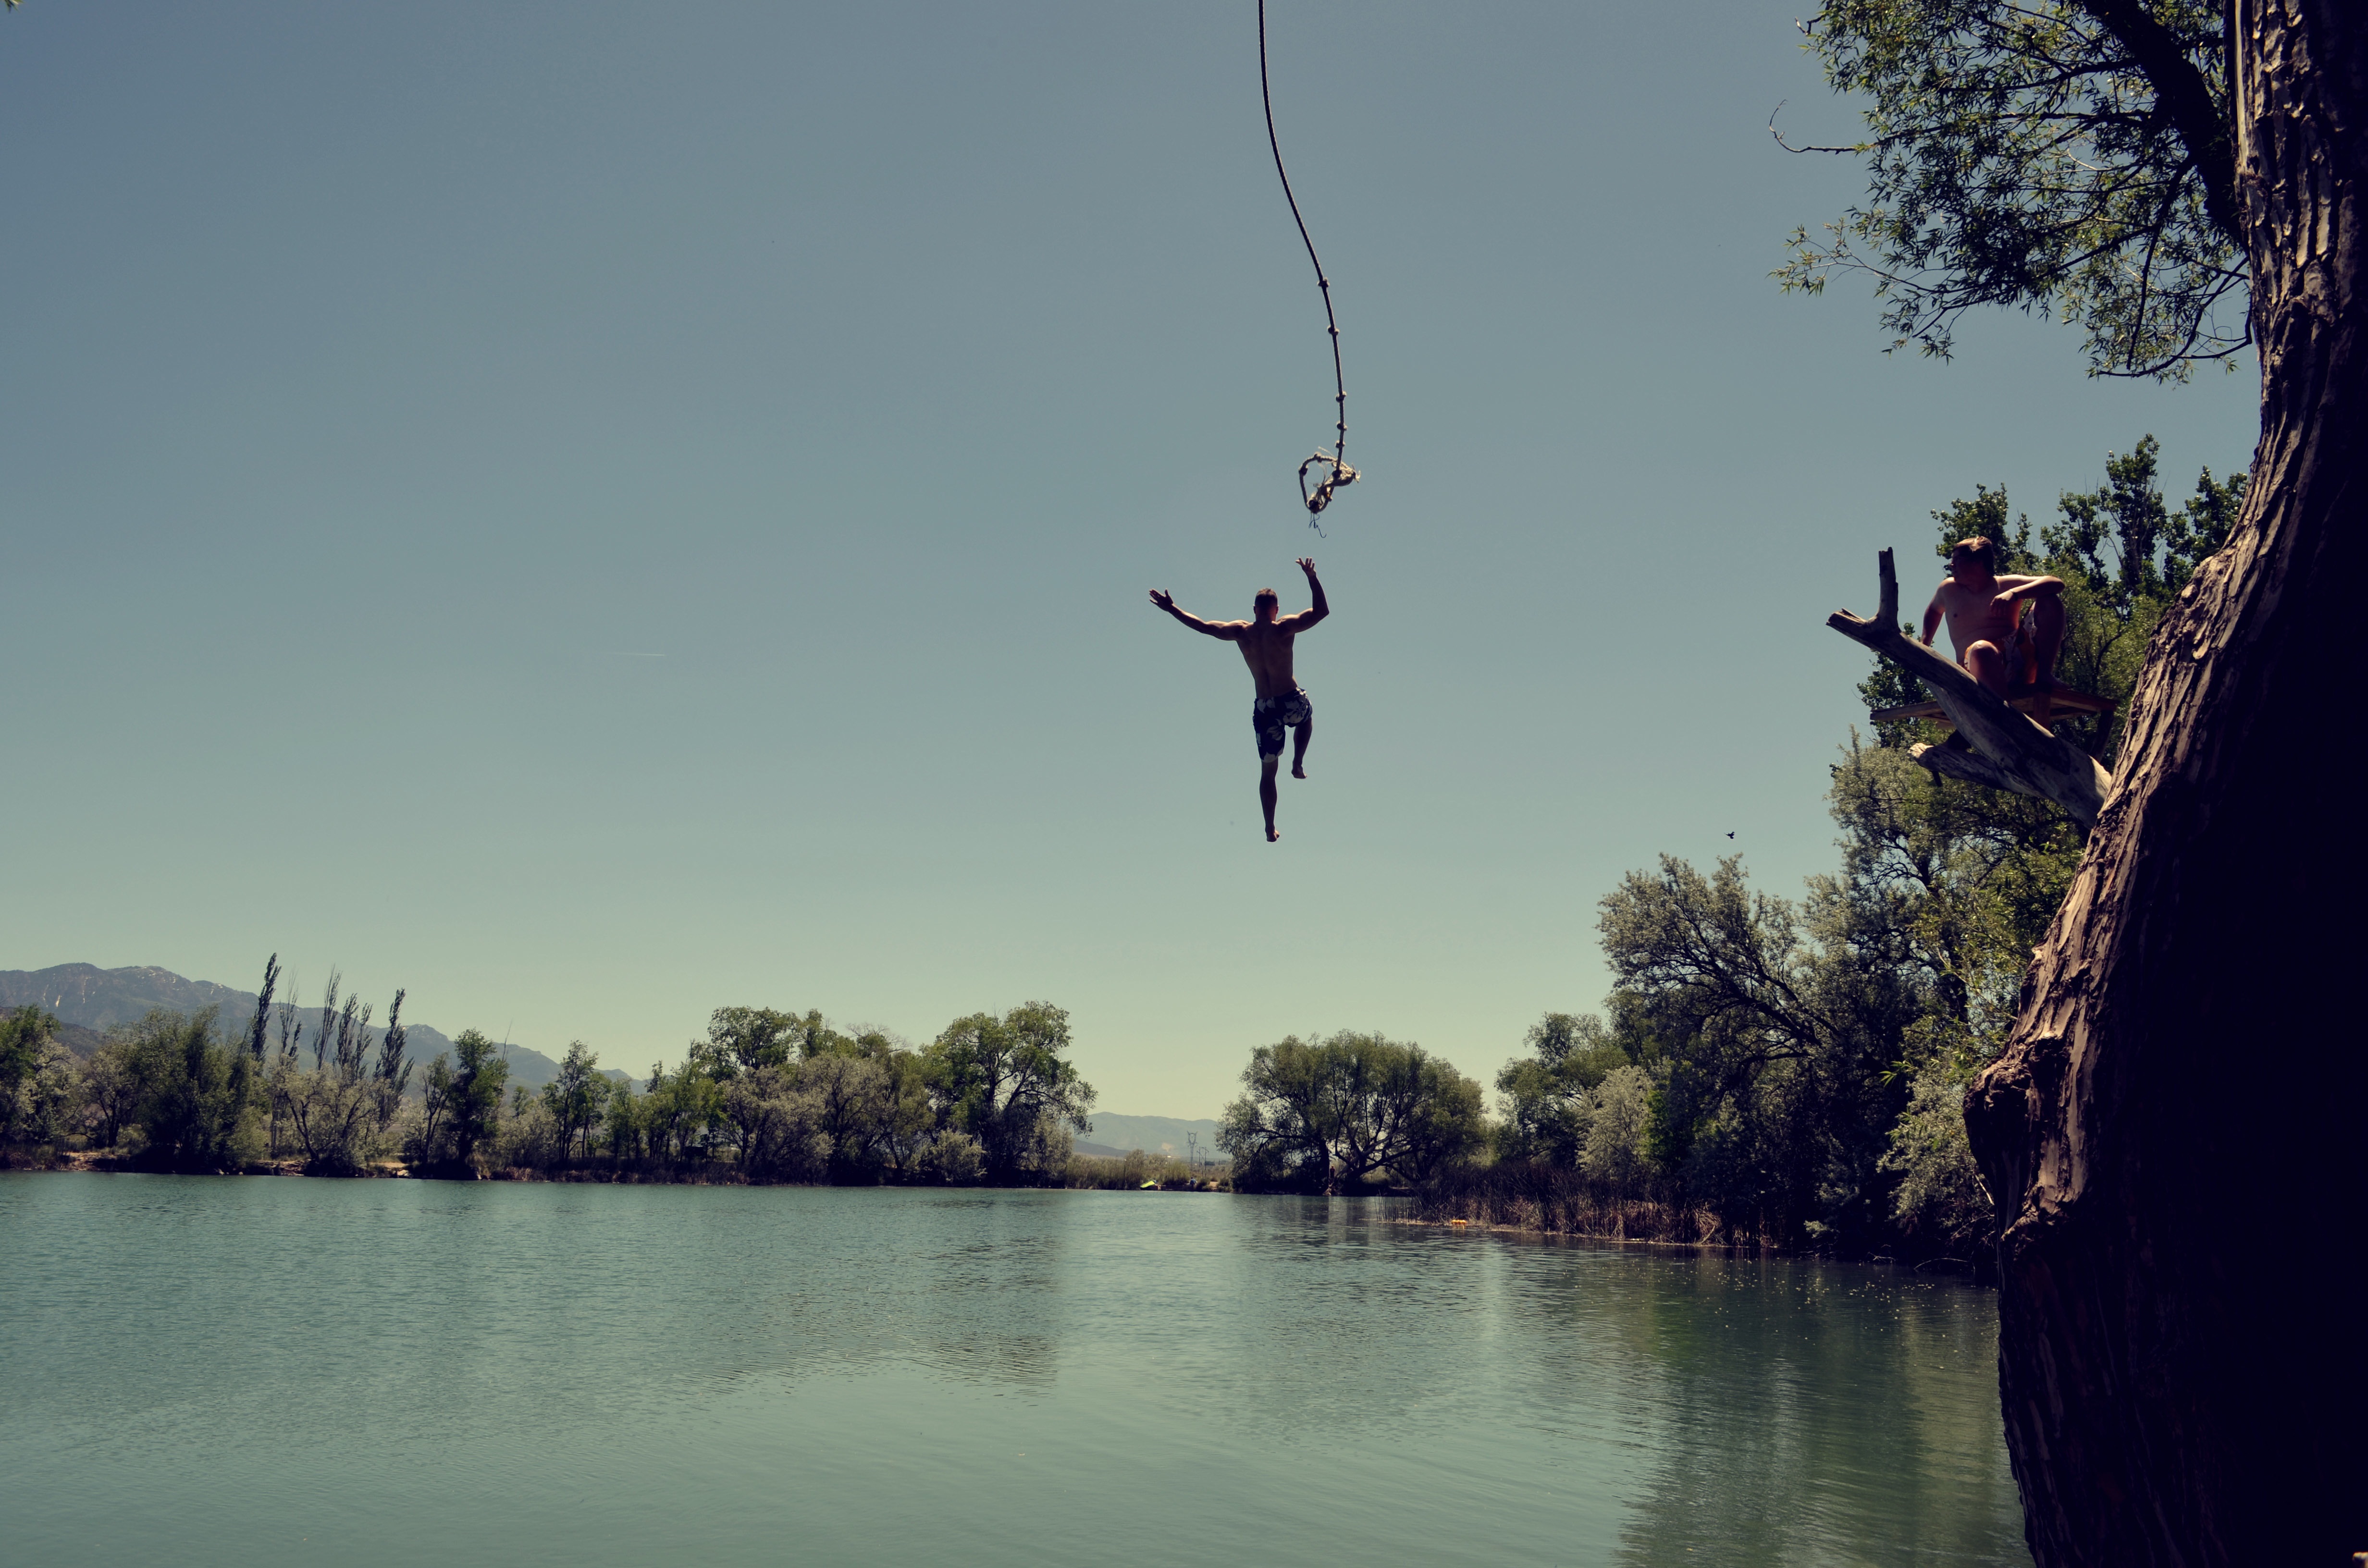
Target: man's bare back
[(1266, 642)]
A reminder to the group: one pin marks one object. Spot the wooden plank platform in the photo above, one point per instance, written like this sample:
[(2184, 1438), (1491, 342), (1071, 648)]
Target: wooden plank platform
[(2063, 700)]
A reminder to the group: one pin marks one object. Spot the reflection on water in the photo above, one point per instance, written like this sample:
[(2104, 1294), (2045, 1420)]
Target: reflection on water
[(254, 1372)]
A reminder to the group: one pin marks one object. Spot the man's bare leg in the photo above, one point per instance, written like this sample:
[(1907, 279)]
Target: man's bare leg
[(2047, 642), (1299, 749), (1988, 666), (1266, 765)]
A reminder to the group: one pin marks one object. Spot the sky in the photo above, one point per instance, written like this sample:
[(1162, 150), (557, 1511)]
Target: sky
[(593, 513)]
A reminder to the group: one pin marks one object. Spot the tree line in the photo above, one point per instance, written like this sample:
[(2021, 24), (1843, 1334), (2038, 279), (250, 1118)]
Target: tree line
[(766, 1095)]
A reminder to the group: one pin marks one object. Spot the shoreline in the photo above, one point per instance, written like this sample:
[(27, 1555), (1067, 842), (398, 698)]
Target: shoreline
[(82, 1162)]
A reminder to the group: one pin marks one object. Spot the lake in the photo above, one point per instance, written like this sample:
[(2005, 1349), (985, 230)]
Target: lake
[(253, 1372)]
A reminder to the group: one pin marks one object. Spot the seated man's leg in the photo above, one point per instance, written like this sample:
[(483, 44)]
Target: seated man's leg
[(2047, 642), (1266, 765), (1988, 666)]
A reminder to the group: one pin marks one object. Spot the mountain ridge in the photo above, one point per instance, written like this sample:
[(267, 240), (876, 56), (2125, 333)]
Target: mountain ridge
[(89, 1001), (1152, 1135)]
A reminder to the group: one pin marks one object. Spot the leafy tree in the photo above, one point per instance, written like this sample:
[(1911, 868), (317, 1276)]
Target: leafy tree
[(907, 1120), (109, 1088), (682, 1110), (1775, 1021), (2075, 157), (1441, 1121), (260, 1026), (393, 1074), (1280, 1132), (816, 1038), (1329, 1115), (576, 1098), (38, 1088), (338, 1109), (776, 1120), (529, 1136), (628, 1129), (1618, 1151), (1547, 1096), (464, 1106), (850, 1100), (742, 1040), (1005, 1082), (196, 1095), (24, 1036), (953, 1158)]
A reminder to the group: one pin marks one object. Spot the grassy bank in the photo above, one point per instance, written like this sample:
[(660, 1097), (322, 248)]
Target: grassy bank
[(1557, 1200)]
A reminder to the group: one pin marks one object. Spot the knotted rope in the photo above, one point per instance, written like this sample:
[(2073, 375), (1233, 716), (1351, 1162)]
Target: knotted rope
[(1332, 466)]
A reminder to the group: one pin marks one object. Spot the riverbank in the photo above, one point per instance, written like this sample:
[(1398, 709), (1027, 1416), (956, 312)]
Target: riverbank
[(1553, 1203), (1133, 1173)]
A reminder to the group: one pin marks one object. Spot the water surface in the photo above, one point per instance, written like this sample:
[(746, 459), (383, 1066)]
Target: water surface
[(258, 1372)]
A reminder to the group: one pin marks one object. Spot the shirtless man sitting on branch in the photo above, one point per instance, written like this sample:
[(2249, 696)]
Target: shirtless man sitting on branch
[(1265, 642), (1984, 613)]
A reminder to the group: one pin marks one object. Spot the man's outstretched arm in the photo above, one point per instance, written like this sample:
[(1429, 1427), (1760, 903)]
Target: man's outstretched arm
[(1309, 616), (1224, 631)]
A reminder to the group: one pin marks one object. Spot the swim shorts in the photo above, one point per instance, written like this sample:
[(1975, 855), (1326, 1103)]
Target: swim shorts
[(1270, 716)]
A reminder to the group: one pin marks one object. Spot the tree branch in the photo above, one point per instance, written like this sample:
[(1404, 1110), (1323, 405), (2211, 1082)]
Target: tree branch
[(2186, 98), (2014, 751)]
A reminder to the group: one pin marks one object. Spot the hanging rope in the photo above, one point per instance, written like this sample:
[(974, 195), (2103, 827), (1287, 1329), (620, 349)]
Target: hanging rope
[(1333, 466)]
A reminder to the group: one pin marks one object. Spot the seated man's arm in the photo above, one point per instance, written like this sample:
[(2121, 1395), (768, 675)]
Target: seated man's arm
[(1316, 612), (1224, 631), (1933, 613), (2013, 590)]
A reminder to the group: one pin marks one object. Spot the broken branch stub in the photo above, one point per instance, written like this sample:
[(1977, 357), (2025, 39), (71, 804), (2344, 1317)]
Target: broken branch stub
[(2011, 751)]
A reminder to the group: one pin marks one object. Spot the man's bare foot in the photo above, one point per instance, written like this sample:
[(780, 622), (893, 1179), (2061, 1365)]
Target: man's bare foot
[(1299, 770), (1272, 833)]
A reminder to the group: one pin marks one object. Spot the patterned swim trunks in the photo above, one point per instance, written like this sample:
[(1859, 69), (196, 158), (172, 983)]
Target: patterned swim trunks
[(1270, 716)]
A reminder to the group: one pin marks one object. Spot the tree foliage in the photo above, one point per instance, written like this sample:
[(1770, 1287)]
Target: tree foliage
[(2069, 156), (1327, 1116), (37, 1081), (462, 1108), (766, 1095), (194, 1097), (1006, 1083), (1798, 1068)]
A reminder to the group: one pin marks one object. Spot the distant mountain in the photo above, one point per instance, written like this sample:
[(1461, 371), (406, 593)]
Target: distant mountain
[(1151, 1134), (89, 1001)]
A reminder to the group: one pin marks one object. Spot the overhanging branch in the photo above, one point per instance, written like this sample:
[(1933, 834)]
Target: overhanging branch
[(2185, 99), (2011, 751)]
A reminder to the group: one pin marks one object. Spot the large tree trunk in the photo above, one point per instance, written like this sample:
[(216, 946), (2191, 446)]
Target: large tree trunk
[(2174, 1135)]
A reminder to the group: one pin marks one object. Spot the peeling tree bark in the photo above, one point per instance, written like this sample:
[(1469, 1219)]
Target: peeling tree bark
[(2174, 1135)]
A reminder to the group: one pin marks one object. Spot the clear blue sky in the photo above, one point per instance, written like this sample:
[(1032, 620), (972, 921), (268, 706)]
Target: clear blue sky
[(594, 512)]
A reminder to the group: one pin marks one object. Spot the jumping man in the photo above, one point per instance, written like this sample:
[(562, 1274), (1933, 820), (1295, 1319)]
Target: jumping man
[(1984, 613), (1266, 647)]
